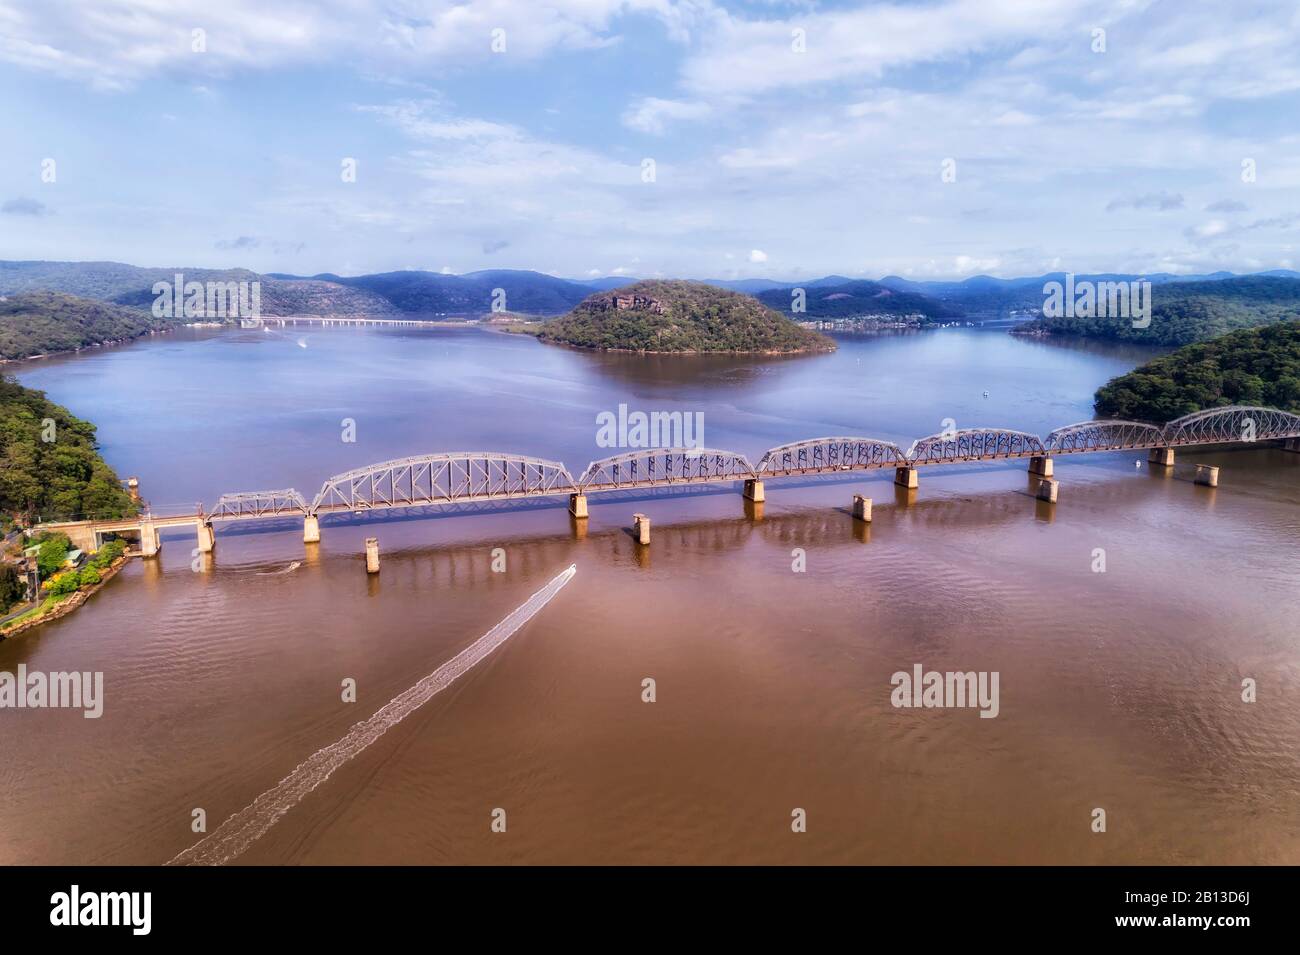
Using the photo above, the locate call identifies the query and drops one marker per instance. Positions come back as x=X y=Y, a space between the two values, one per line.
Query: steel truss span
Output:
x=461 y=476
x=1231 y=424
x=974 y=444
x=824 y=455
x=471 y=477
x=1104 y=435
x=257 y=504
x=656 y=467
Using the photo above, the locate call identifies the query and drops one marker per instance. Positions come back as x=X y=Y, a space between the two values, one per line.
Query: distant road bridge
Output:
x=468 y=477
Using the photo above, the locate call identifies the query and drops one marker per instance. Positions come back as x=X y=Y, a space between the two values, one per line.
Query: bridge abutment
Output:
x=641 y=529
x=1161 y=457
x=578 y=505
x=372 y=555
x=907 y=477
x=754 y=490
x=1040 y=465
x=862 y=508
x=311 y=529
x=1207 y=475
x=207 y=538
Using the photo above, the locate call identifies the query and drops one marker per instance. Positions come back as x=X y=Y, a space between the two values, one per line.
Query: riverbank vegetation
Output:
x=43 y=323
x=680 y=317
x=49 y=464
x=88 y=575
x=1186 y=312
x=1257 y=366
x=57 y=590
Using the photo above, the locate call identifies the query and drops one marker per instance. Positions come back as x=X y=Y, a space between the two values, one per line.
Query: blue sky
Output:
x=769 y=160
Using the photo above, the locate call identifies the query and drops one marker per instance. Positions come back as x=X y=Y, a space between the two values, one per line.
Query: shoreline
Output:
x=63 y=353
x=685 y=352
x=65 y=606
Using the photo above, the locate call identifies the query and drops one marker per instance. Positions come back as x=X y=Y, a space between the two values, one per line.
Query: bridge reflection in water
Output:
x=452 y=480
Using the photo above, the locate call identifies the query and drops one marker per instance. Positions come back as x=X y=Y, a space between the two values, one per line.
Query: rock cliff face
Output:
x=621 y=301
x=680 y=317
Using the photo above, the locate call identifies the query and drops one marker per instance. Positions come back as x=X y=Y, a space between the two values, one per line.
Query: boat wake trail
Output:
x=280 y=573
x=246 y=826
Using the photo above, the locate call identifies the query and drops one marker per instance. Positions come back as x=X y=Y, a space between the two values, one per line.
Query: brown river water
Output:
x=1119 y=690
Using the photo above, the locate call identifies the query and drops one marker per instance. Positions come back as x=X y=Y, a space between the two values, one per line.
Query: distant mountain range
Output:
x=983 y=294
x=132 y=286
x=437 y=295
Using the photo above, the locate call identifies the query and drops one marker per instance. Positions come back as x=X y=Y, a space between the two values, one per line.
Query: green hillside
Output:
x=1256 y=366
x=1185 y=312
x=680 y=317
x=39 y=323
x=60 y=478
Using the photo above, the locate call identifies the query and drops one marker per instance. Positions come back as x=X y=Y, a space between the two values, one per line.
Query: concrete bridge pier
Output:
x=1040 y=465
x=1161 y=457
x=862 y=508
x=207 y=538
x=578 y=505
x=1047 y=490
x=1207 y=475
x=1291 y=444
x=372 y=555
x=311 y=529
x=907 y=477
x=150 y=542
x=754 y=490
x=641 y=529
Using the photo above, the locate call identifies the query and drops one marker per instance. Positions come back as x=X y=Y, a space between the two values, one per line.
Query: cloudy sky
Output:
x=695 y=138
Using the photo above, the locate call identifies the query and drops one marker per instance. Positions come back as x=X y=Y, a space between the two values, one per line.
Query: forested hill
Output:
x=60 y=478
x=683 y=317
x=1185 y=312
x=1255 y=366
x=41 y=323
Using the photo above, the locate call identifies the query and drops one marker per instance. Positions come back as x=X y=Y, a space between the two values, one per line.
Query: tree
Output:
x=11 y=586
x=53 y=552
x=63 y=584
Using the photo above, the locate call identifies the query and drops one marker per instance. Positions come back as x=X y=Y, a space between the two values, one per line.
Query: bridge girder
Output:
x=1104 y=435
x=1230 y=424
x=483 y=476
x=658 y=467
x=249 y=504
x=823 y=455
x=433 y=479
x=974 y=444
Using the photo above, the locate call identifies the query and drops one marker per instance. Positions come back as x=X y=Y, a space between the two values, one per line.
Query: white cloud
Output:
x=649 y=115
x=748 y=57
x=1210 y=229
x=113 y=44
x=757 y=256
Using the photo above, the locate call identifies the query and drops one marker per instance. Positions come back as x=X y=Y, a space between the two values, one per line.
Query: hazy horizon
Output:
x=761 y=277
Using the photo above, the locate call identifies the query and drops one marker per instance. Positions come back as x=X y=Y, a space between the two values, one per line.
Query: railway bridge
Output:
x=468 y=477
